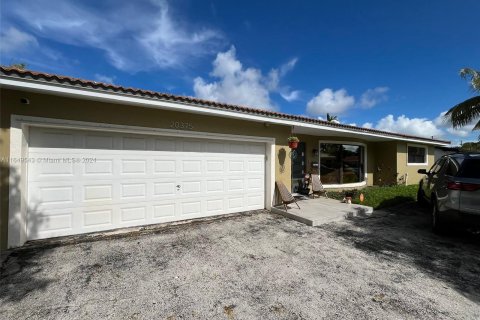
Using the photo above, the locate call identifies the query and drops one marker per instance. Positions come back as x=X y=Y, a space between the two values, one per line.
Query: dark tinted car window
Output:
x=470 y=169
x=437 y=166
x=452 y=168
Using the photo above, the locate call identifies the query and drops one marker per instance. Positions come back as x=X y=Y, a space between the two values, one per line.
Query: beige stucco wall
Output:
x=385 y=169
x=48 y=106
x=411 y=170
x=391 y=163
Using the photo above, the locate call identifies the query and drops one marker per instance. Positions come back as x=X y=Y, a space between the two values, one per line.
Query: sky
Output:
x=389 y=65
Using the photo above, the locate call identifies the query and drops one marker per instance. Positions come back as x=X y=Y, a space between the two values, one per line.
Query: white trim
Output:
x=114 y=97
x=17 y=225
x=346 y=185
x=99 y=126
x=426 y=155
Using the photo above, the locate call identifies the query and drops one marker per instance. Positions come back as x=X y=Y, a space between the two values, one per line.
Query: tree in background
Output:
x=470 y=146
x=20 y=66
x=332 y=118
x=469 y=110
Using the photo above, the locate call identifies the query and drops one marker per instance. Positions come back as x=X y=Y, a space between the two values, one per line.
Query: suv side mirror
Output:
x=422 y=171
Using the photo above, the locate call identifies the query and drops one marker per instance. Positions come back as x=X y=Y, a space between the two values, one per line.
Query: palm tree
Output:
x=331 y=118
x=20 y=66
x=468 y=110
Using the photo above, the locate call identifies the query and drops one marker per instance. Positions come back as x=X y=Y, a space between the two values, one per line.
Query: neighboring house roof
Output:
x=456 y=149
x=110 y=88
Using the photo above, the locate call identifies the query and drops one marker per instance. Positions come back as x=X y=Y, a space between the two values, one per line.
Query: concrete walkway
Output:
x=314 y=212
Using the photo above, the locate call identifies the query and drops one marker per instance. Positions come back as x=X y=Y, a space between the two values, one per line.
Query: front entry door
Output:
x=298 y=167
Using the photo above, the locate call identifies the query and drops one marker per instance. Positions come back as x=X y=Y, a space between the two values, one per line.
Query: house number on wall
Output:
x=181 y=125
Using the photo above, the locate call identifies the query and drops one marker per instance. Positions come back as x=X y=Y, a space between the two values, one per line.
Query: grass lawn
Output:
x=381 y=197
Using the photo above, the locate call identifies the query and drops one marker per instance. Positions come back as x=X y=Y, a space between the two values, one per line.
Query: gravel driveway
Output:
x=255 y=266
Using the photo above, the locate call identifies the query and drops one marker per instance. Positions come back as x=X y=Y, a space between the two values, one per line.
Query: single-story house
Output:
x=81 y=156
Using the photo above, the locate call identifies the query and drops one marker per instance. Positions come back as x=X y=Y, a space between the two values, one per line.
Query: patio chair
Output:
x=285 y=195
x=317 y=186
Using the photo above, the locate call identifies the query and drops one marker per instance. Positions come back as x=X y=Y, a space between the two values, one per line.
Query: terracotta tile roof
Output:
x=89 y=84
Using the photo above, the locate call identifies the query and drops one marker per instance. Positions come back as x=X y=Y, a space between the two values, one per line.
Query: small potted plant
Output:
x=293 y=142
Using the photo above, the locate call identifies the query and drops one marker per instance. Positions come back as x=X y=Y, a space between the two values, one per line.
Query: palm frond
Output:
x=473 y=76
x=464 y=112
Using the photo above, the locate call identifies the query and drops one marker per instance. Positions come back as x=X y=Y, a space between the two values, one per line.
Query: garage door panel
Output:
x=237 y=148
x=99 y=141
x=216 y=147
x=195 y=146
x=134 y=143
x=132 y=191
x=133 y=180
x=59 y=223
x=135 y=213
x=256 y=149
x=254 y=201
x=191 y=188
x=164 y=189
x=96 y=218
x=162 y=144
x=256 y=166
x=41 y=224
x=235 y=203
x=215 y=185
x=133 y=166
x=236 y=166
x=164 y=210
x=101 y=167
x=100 y=192
x=52 y=195
x=236 y=184
x=52 y=138
x=191 y=167
x=164 y=167
x=39 y=168
x=215 y=166
x=255 y=184
x=55 y=195
x=191 y=207
x=216 y=206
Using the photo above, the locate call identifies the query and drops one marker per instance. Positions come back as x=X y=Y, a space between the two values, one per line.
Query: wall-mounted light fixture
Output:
x=24 y=101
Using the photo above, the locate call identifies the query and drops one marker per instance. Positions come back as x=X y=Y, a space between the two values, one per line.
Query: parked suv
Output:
x=452 y=188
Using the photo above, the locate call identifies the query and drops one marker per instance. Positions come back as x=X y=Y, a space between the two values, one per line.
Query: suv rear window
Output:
x=470 y=169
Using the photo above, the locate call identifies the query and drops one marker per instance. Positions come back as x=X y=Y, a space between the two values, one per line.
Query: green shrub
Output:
x=380 y=197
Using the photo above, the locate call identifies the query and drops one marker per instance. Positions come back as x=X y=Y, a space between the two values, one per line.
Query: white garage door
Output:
x=86 y=181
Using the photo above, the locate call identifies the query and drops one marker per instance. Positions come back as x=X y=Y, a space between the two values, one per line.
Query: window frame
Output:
x=425 y=163
x=365 y=166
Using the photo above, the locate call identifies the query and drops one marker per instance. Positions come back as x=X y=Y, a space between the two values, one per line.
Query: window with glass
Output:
x=417 y=155
x=341 y=163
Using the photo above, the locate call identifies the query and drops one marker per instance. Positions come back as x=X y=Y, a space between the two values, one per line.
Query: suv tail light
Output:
x=463 y=186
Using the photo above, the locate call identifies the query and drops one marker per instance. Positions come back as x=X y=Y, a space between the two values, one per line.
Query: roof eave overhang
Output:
x=123 y=98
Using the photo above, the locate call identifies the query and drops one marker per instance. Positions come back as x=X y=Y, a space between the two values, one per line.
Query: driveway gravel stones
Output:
x=253 y=266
